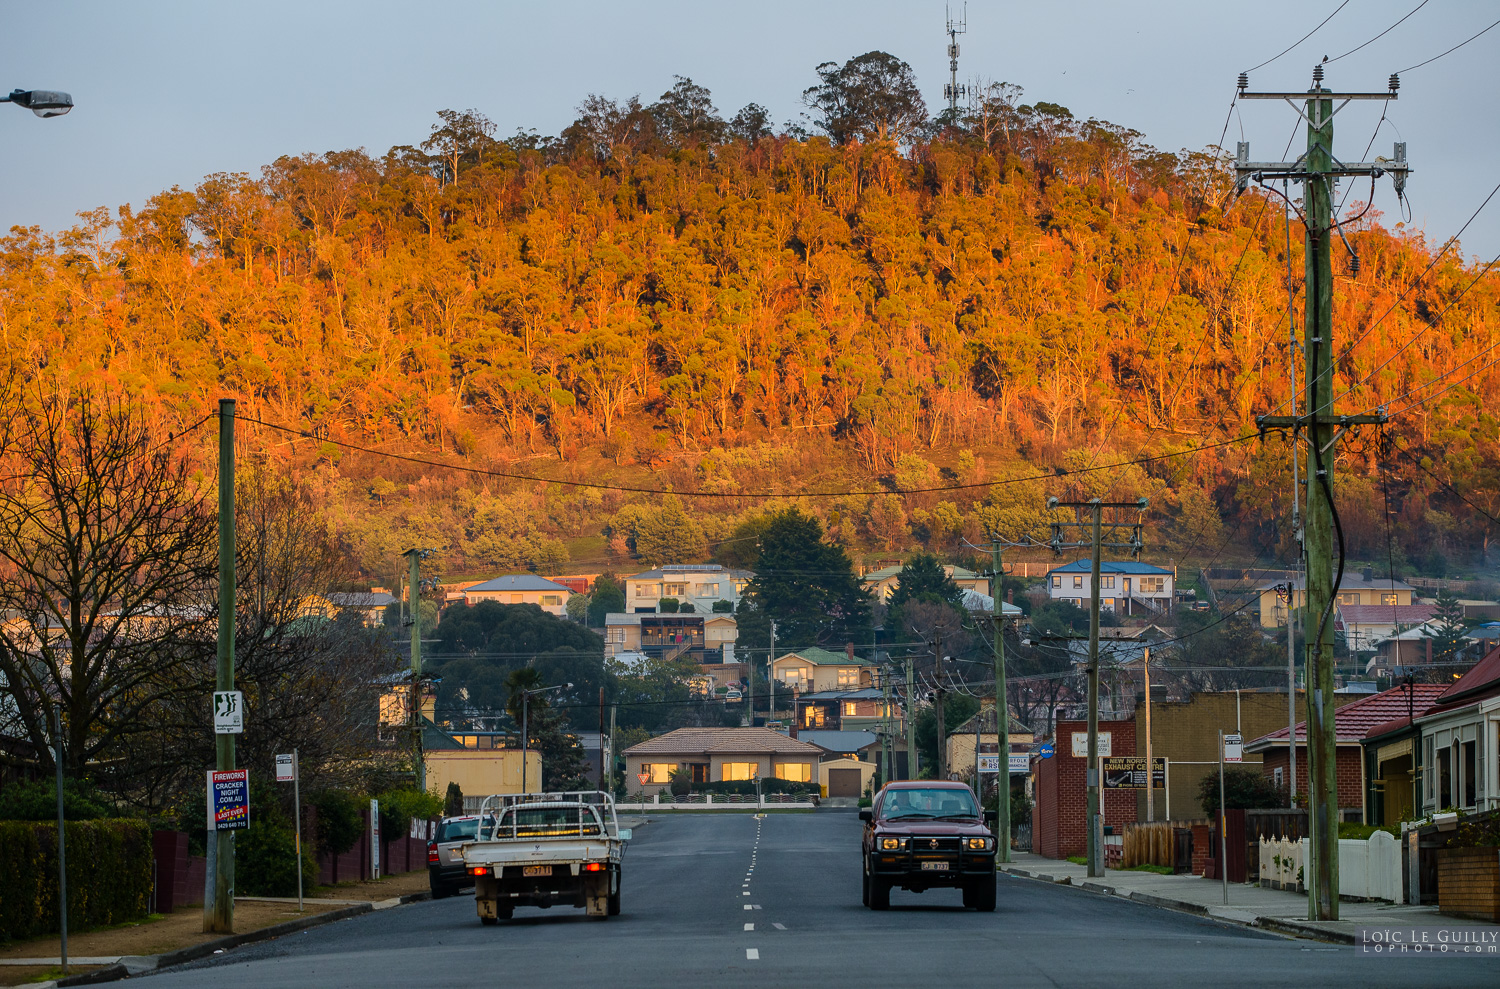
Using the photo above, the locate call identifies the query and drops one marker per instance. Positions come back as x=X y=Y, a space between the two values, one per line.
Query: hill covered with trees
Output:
x=868 y=304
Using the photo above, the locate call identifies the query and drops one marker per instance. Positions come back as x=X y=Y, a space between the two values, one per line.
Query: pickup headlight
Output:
x=891 y=844
x=977 y=844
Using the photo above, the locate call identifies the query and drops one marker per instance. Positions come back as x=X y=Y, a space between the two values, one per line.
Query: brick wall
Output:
x=1349 y=769
x=1059 y=824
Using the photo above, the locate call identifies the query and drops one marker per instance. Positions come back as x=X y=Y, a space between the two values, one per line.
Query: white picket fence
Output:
x=1369 y=869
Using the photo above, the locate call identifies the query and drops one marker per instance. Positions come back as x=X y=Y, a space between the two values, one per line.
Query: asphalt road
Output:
x=713 y=899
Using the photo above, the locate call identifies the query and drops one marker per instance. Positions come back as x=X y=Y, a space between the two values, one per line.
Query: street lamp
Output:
x=42 y=102
x=525 y=705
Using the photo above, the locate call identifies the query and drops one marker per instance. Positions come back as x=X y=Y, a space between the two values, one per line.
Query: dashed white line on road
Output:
x=749 y=927
x=779 y=927
x=749 y=906
x=746 y=894
x=752 y=954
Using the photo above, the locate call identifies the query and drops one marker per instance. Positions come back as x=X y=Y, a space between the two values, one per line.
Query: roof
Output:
x=517 y=582
x=360 y=599
x=974 y=601
x=1386 y=614
x=839 y=741
x=1480 y=680
x=986 y=719
x=953 y=570
x=1354 y=720
x=723 y=741
x=620 y=618
x=862 y=694
x=690 y=569
x=1352 y=582
x=1110 y=566
x=825 y=657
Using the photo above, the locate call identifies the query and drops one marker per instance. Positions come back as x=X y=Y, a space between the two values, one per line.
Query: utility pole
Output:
x=609 y=750
x=601 y=738
x=1291 y=686
x=885 y=734
x=62 y=844
x=911 y=721
x=1002 y=711
x=1150 y=765
x=1317 y=170
x=414 y=584
x=1095 y=817
x=218 y=915
x=770 y=676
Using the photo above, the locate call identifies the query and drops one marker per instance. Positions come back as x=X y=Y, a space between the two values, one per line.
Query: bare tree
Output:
x=105 y=545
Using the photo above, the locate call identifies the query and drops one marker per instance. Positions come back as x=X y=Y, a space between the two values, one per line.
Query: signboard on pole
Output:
x=286 y=771
x=1045 y=751
x=989 y=764
x=228 y=799
x=229 y=712
x=1128 y=772
x=375 y=839
x=1081 y=744
x=1020 y=762
x=643 y=777
x=1234 y=749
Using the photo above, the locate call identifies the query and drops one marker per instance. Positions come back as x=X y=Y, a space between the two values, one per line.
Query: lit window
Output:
x=1388 y=599
x=732 y=771
x=1056 y=580
x=551 y=599
x=848 y=677
x=796 y=772
x=850 y=709
x=1078 y=580
x=645 y=591
x=658 y=772
x=674 y=590
x=1109 y=580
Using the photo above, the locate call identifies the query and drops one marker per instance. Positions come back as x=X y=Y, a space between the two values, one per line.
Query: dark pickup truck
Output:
x=926 y=834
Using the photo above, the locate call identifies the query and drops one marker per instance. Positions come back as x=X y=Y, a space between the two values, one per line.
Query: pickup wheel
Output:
x=864 y=886
x=880 y=893
x=489 y=921
x=981 y=895
x=614 y=898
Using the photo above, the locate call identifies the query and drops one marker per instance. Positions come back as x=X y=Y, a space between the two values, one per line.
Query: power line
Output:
x=1382 y=34
x=1450 y=51
x=1301 y=39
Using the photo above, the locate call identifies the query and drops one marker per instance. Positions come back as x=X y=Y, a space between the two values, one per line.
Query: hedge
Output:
x=109 y=875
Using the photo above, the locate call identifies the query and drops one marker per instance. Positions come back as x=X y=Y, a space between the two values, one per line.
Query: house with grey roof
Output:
x=522 y=588
x=700 y=585
x=1126 y=587
x=712 y=755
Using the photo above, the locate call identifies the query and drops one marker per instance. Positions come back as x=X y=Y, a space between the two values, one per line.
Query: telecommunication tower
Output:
x=955 y=90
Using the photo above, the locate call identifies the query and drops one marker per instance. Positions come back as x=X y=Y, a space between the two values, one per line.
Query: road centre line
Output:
x=749 y=927
x=752 y=954
x=779 y=927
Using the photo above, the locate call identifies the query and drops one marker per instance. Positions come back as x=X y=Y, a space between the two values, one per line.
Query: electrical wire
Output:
x=1301 y=39
x=1450 y=51
x=1382 y=34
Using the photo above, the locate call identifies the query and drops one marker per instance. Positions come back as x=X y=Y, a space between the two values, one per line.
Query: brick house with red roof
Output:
x=1352 y=723
x=1460 y=738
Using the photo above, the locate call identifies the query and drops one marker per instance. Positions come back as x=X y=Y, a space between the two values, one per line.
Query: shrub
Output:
x=722 y=607
x=399 y=807
x=339 y=823
x=265 y=854
x=1244 y=789
x=109 y=875
x=38 y=802
x=681 y=782
x=453 y=803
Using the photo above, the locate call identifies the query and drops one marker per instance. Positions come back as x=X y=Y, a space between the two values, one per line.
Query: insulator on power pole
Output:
x=1318 y=72
x=1395 y=81
x=1245 y=81
x=1354 y=264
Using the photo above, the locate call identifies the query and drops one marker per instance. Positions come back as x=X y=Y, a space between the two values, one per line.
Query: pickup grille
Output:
x=933 y=846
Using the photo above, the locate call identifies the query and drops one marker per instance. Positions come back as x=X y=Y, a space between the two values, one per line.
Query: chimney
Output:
x=849 y=651
x=1368 y=573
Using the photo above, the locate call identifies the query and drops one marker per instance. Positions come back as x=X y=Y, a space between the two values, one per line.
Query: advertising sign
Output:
x=1020 y=762
x=375 y=838
x=1045 y=751
x=1081 y=744
x=1234 y=749
x=1128 y=772
x=229 y=712
x=228 y=799
x=989 y=764
x=286 y=769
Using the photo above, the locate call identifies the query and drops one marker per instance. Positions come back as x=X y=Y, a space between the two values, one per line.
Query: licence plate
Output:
x=934 y=866
x=536 y=870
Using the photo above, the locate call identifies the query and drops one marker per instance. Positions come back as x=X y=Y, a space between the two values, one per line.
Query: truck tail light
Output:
x=432 y=853
x=479 y=870
x=594 y=867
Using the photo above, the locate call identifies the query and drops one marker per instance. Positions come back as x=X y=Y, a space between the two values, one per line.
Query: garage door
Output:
x=843 y=782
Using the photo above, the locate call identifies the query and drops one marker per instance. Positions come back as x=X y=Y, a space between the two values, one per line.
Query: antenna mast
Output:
x=954 y=90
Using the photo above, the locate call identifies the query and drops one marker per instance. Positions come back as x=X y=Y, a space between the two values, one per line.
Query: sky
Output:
x=168 y=92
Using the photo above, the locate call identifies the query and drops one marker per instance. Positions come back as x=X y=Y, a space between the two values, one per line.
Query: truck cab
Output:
x=927 y=834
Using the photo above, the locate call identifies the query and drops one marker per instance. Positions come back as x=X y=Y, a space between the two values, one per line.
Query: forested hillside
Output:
x=663 y=299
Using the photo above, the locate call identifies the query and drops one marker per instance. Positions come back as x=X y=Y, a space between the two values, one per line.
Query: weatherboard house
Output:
x=1126 y=588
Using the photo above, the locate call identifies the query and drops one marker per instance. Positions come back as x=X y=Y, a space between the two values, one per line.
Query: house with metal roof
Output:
x=712 y=755
x=370 y=605
x=1460 y=740
x=1363 y=588
x=522 y=588
x=1365 y=626
x=815 y=669
x=1126 y=587
x=699 y=585
x=882 y=583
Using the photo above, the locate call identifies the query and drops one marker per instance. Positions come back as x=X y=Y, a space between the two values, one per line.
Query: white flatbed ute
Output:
x=546 y=849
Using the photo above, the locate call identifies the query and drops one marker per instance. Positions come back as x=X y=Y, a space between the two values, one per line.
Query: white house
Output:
x=1460 y=737
x=1365 y=626
x=522 y=588
x=698 y=584
x=1126 y=588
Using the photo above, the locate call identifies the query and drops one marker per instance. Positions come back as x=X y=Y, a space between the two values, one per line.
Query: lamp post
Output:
x=525 y=713
x=42 y=102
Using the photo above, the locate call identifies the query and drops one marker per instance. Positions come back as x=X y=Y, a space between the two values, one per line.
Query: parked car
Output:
x=446 y=874
x=927 y=834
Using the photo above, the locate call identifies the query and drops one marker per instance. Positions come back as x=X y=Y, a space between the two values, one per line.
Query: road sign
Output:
x=1081 y=744
x=989 y=764
x=286 y=769
x=1128 y=772
x=229 y=712
x=1234 y=749
x=375 y=839
x=1020 y=762
x=1045 y=751
x=643 y=777
x=228 y=799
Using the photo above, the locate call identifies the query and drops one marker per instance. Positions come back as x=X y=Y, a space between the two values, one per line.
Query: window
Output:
x=1108 y=580
x=848 y=676
x=1445 y=777
x=1056 y=580
x=1152 y=585
x=518 y=599
x=645 y=591
x=738 y=771
x=706 y=590
x=1278 y=778
x=1349 y=598
x=615 y=635
x=551 y=599
x=850 y=709
x=1469 y=766
x=1077 y=582
x=658 y=772
x=674 y=590
x=796 y=772
x=1388 y=599
x=792 y=676
x=1428 y=774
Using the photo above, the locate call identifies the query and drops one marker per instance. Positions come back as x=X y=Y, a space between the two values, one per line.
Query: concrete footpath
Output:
x=1276 y=910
